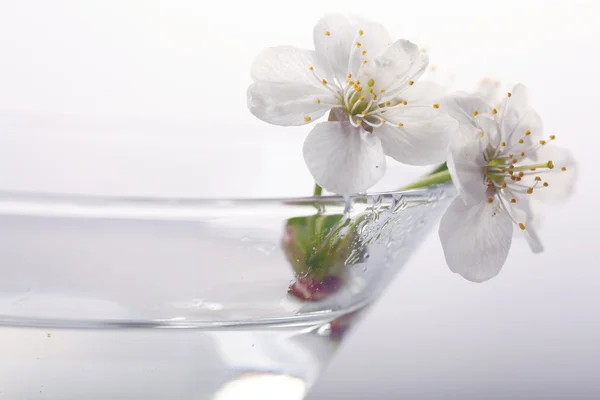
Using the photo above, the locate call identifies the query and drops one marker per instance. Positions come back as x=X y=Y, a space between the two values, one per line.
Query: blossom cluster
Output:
x=369 y=85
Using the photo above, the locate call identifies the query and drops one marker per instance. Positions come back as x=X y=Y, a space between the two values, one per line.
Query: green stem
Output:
x=433 y=179
x=318 y=190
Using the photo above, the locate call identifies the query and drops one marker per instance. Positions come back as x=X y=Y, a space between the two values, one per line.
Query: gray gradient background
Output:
x=532 y=332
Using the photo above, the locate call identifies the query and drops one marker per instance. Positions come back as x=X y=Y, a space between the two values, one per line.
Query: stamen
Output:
x=364 y=52
x=371 y=82
x=318 y=101
x=475 y=113
x=494 y=111
x=307 y=118
x=513 y=200
x=411 y=83
x=361 y=32
x=327 y=33
x=522 y=226
x=563 y=169
x=527 y=132
x=545 y=184
x=552 y=137
x=509 y=94
x=436 y=105
x=542 y=142
x=530 y=190
x=349 y=76
x=490 y=200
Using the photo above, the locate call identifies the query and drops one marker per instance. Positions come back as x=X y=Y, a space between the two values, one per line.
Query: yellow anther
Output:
x=358 y=82
x=542 y=142
x=364 y=52
x=327 y=33
x=522 y=154
x=545 y=184
x=490 y=200
x=434 y=67
x=404 y=102
x=511 y=156
x=521 y=141
x=388 y=103
x=494 y=111
x=358 y=44
x=318 y=101
x=527 y=132
x=311 y=68
x=514 y=161
x=351 y=83
x=490 y=182
x=349 y=76
x=519 y=179
x=521 y=173
x=513 y=200
x=371 y=82
x=362 y=98
x=511 y=166
x=552 y=137
x=400 y=124
x=503 y=144
x=504 y=185
x=324 y=81
x=522 y=226
x=371 y=90
x=529 y=190
x=475 y=113
x=436 y=105
x=365 y=61
x=411 y=83
x=509 y=94
x=382 y=91
x=374 y=96
x=550 y=164
x=563 y=169
x=307 y=118
x=481 y=134
x=537 y=178
x=361 y=32
x=532 y=169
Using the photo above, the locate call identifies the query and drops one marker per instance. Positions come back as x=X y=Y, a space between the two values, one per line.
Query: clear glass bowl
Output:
x=109 y=298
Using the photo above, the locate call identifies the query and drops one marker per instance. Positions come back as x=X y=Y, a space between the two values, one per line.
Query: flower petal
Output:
x=340 y=43
x=518 y=118
x=286 y=64
x=344 y=159
x=466 y=108
x=522 y=212
x=423 y=92
x=288 y=104
x=416 y=135
x=476 y=239
x=394 y=69
x=466 y=162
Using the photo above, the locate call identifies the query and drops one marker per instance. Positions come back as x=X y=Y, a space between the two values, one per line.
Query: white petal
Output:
x=476 y=239
x=423 y=137
x=423 y=92
x=466 y=163
x=336 y=38
x=561 y=184
x=287 y=64
x=466 y=108
x=288 y=104
x=344 y=159
x=518 y=118
x=522 y=212
x=395 y=68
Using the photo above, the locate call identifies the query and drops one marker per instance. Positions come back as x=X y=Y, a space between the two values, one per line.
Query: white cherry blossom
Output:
x=498 y=163
x=359 y=74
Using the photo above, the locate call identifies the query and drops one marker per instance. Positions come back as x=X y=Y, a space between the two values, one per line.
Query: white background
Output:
x=178 y=71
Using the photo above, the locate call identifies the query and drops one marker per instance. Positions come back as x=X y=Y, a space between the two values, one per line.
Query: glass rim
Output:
x=61 y=204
